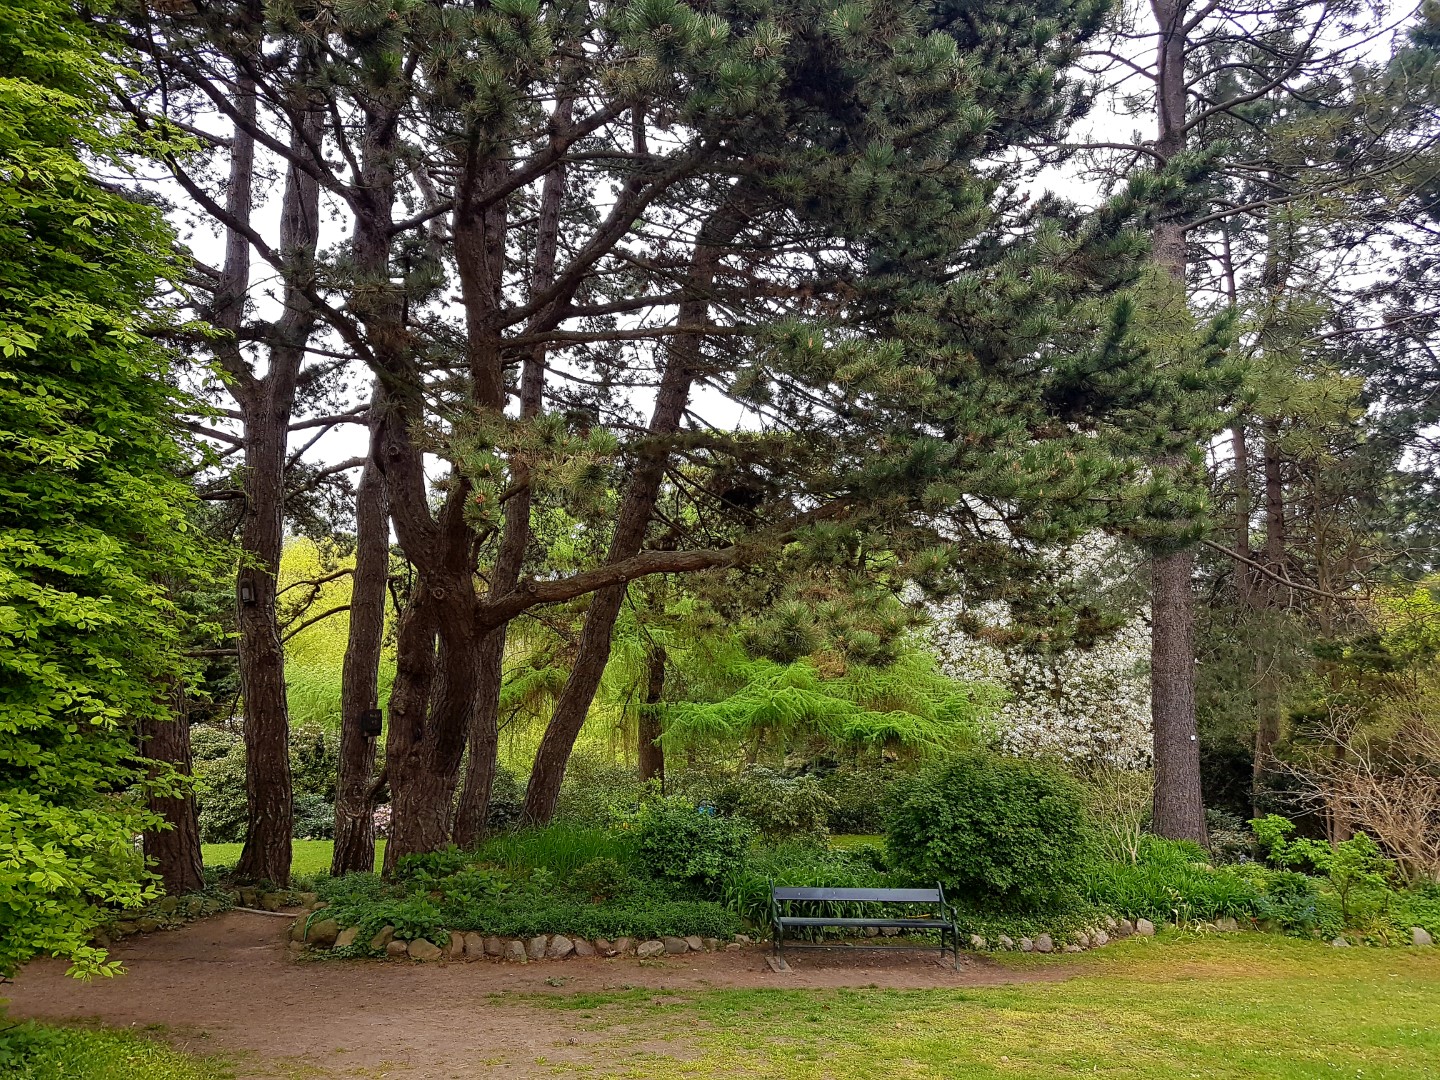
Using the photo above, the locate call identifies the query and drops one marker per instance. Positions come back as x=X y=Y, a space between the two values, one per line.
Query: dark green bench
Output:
x=941 y=917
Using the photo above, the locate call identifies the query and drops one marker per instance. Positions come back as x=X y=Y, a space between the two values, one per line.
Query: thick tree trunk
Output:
x=268 y=789
x=175 y=851
x=649 y=750
x=483 y=743
x=356 y=784
x=1179 y=811
x=484 y=735
x=267 y=405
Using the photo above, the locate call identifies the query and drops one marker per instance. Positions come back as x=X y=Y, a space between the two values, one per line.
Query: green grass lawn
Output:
x=854 y=840
x=309 y=858
x=1239 y=1007
x=42 y=1052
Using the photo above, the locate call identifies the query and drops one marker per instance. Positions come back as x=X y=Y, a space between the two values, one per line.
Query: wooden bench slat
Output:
x=896 y=896
x=918 y=924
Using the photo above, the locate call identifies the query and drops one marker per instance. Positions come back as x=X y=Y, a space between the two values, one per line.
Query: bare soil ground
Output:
x=228 y=985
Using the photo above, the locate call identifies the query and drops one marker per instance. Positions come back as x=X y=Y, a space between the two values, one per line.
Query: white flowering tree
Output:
x=1086 y=704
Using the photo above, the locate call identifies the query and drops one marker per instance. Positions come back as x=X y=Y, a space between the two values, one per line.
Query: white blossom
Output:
x=1088 y=706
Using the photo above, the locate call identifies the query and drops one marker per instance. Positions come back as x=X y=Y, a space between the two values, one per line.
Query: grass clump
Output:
x=30 y=1051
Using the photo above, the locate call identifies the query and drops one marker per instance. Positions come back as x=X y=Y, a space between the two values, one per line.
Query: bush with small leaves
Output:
x=1001 y=832
x=686 y=845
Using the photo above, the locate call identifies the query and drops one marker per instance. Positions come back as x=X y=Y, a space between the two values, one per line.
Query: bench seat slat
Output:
x=917 y=924
x=894 y=896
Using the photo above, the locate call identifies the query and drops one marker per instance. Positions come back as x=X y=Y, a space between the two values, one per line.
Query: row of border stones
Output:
x=1109 y=929
x=309 y=932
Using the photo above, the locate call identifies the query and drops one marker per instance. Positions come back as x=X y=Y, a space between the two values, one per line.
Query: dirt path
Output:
x=228 y=985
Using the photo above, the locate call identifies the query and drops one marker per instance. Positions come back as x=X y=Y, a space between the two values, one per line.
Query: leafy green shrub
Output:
x=507 y=795
x=1060 y=924
x=472 y=886
x=595 y=791
x=1294 y=904
x=644 y=917
x=600 y=880
x=1359 y=871
x=219 y=769
x=1230 y=838
x=412 y=917
x=1419 y=907
x=778 y=806
x=1174 y=881
x=862 y=797
x=351 y=891
x=746 y=890
x=426 y=871
x=1002 y=832
x=1171 y=881
x=314 y=760
x=314 y=818
x=679 y=843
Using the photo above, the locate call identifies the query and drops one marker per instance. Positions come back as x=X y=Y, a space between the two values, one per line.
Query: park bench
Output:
x=941 y=915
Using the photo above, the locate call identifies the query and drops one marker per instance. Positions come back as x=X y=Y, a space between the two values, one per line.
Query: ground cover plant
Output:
x=30 y=1051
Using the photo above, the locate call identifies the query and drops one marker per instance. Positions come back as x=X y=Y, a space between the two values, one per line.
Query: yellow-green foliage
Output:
x=315 y=656
x=908 y=704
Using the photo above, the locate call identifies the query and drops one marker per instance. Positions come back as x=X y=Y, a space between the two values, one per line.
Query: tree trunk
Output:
x=355 y=784
x=484 y=735
x=636 y=509
x=1241 y=451
x=175 y=851
x=1179 y=809
x=266 y=405
x=483 y=743
x=268 y=789
x=1267 y=689
x=649 y=750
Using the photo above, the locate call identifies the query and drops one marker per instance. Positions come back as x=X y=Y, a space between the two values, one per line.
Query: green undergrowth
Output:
x=1257 y=1007
x=30 y=1051
x=1175 y=882
x=497 y=889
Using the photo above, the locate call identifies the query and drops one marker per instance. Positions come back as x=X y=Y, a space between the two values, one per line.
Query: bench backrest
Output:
x=898 y=896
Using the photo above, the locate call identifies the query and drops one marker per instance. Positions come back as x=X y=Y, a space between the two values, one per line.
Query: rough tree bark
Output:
x=648 y=731
x=1179 y=809
x=176 y=850
x=267 y=404
x=484 y=735
x=356 y=785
